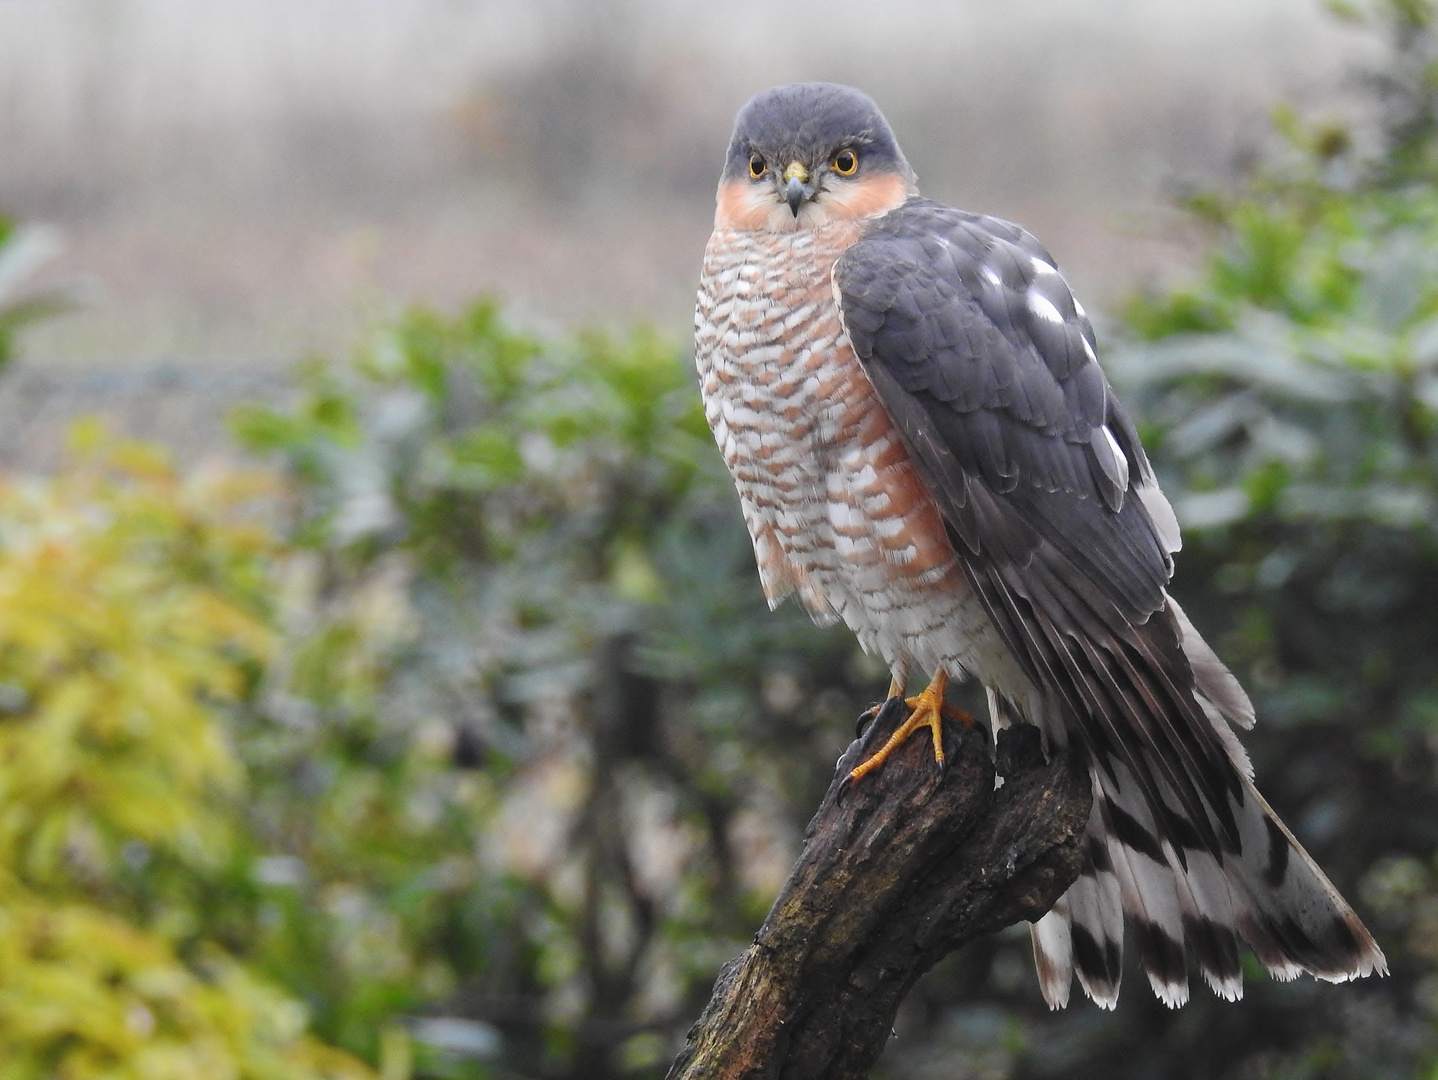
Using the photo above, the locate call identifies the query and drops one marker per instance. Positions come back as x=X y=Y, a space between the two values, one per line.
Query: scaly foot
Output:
x=929 y=710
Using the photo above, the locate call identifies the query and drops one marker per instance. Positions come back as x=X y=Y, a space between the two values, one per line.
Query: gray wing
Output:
x=986 y=364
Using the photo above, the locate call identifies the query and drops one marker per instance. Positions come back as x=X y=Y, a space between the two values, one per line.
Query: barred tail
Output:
x=1190 y=908
x=1189 y=914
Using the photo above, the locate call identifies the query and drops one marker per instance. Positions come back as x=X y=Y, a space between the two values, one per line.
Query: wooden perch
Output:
x=897 y=871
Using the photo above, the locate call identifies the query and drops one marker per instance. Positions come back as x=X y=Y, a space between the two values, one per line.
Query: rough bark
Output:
x=897 y=871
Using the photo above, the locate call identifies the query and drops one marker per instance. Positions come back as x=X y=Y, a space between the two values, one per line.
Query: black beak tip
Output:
x=794 y=196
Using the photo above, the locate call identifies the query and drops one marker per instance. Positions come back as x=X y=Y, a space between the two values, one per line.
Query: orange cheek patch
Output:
x=742 y=206
x=748 y=207
x=867 y=197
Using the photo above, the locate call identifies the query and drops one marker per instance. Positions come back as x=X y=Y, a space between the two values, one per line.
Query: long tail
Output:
x=1189 y=907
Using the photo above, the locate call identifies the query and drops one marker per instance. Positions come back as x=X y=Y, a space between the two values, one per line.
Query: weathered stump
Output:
x=897 y=871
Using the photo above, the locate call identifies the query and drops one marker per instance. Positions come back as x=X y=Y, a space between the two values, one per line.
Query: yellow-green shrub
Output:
x=132 y=613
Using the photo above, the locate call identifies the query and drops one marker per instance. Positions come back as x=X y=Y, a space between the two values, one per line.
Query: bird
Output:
x=909 y=400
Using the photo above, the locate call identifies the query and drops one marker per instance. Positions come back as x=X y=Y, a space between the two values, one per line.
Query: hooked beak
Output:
x=796 y=186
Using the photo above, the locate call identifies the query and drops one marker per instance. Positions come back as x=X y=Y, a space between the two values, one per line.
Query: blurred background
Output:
x=237 y=185
x=385 y=687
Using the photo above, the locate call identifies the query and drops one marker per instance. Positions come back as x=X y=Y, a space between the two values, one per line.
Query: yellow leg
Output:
x=928 y=711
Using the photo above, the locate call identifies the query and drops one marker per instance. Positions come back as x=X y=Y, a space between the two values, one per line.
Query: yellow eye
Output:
x=757 y=165
x=845 y=163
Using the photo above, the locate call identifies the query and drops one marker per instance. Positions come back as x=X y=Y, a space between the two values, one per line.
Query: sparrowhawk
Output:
x=909 y=400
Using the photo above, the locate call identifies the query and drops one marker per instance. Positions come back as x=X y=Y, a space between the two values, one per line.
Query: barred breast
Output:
x=835 y=507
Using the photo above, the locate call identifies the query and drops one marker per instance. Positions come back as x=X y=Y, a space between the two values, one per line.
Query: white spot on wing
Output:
x=1122 y=462
x=1110 y=458
x=1044 y=308
x=1160 y=512
x=991 y=275
x=1041 y=267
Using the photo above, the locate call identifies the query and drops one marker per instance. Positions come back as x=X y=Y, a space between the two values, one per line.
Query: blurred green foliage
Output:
x=131 y=622
x=534 y=732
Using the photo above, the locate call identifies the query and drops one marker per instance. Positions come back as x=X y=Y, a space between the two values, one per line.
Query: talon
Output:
x=929 y=709
x=867 y=717
x=870 y=715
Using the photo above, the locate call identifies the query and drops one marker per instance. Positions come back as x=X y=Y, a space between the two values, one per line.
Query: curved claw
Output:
x=880 y=712
x=866 y=720
x=870 y=716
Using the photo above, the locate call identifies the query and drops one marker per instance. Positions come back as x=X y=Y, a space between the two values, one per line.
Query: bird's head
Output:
x=807 y=154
